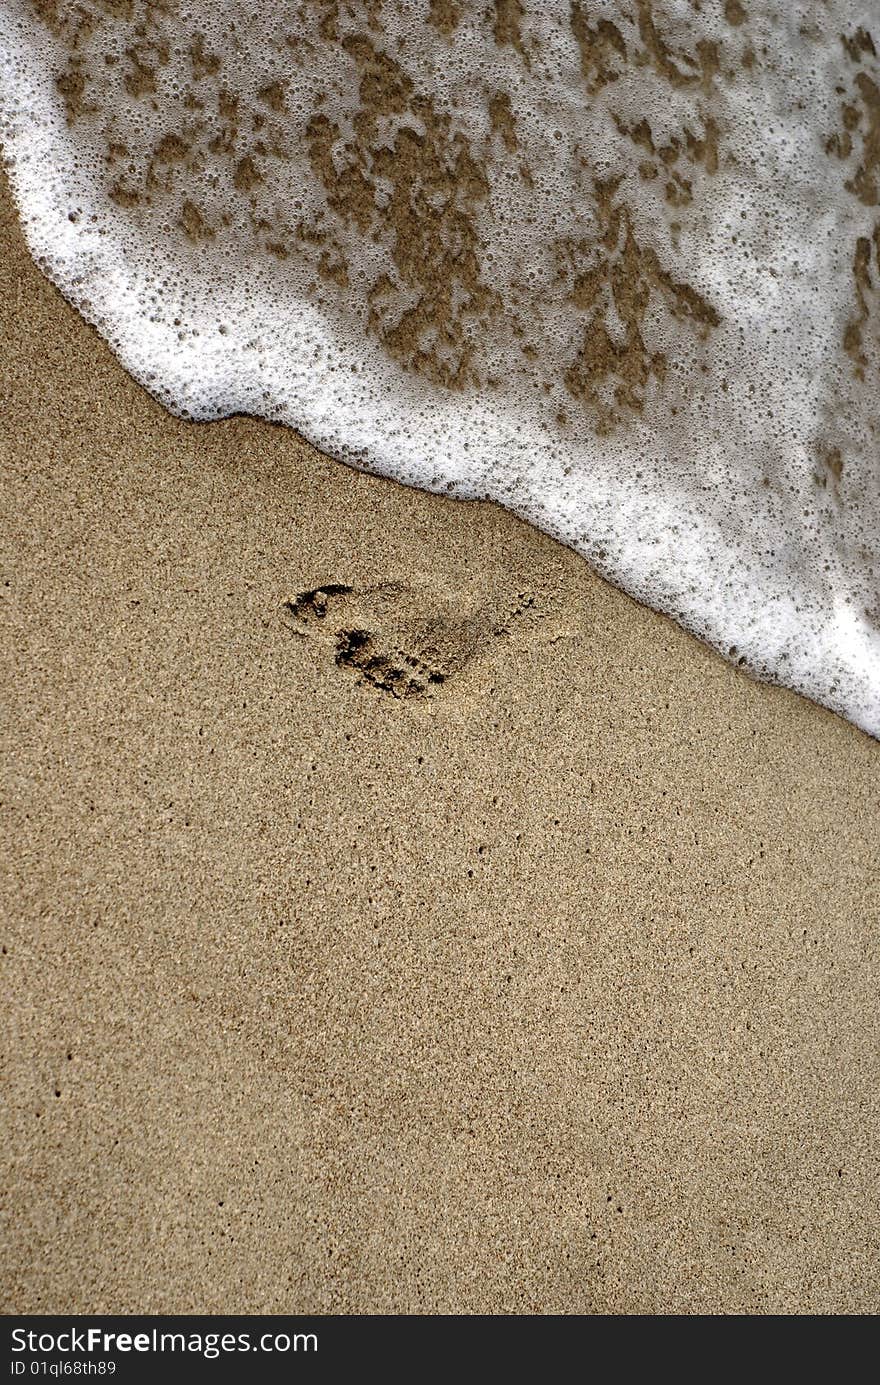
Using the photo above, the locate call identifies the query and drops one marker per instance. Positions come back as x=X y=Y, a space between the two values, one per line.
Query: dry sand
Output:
x=546 y=985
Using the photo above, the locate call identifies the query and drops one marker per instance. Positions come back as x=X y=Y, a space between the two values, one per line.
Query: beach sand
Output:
x=537 y=974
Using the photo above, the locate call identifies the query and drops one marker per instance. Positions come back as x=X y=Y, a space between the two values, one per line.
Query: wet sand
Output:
x=397 y=917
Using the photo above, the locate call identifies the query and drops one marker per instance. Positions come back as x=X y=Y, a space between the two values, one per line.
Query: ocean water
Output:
x=613 y=263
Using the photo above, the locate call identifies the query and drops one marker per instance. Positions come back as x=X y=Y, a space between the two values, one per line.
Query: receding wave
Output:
x=613 y=263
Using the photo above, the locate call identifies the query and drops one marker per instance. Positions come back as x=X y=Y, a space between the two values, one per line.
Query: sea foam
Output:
x=613 y=263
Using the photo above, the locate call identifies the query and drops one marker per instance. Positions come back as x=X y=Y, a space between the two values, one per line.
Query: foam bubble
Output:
x=615 y=265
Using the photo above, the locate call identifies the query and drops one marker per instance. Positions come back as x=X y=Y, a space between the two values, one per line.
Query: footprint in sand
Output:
x=411 y=641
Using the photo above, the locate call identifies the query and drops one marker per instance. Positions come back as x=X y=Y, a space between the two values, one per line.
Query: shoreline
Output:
x=549 y=985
